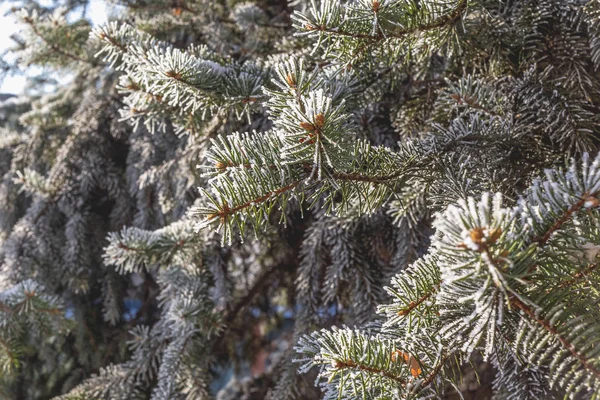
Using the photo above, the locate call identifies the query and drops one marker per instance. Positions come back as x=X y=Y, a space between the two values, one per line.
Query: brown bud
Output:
x=375 y=7
x=308 y=126
x=173 y=74
x=456 y=98
x=494 y=235
x=406 y=310
x=319 y=120
x=220 y=165
x=477 y=235
x=290 y=80
x=177 y=11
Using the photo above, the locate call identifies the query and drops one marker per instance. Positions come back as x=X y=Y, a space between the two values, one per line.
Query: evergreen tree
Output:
x=236 y=200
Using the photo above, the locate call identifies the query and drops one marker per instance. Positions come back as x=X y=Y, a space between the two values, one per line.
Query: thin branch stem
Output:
x=344 y=364
x=414 y=304
x=7 y=350
x=431 y=376
x=472 y=103
x=244 y=301
x=226 y=211
x=355 y=176
x=542 y=240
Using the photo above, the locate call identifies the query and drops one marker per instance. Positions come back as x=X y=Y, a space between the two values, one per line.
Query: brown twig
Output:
x=431 y=376
x=472 y=103
x=414 y=304
x=226 y=211
x=245 y=300
x=355 y=176
x=564 y=218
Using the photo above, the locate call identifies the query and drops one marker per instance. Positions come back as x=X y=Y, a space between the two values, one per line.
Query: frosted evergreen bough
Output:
x=358 y=199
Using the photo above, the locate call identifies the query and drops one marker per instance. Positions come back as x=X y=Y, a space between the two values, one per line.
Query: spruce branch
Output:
x=394 y=138
x=317 y=23
x=32 y=20
x=586 y=200
x=133 y=249
x=548 y=326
